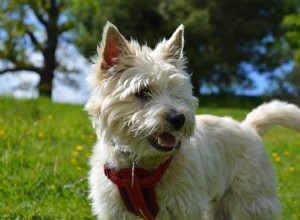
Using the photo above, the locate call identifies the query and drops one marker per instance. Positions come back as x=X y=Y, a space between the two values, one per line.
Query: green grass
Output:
x=43 y=160
x=44 y=150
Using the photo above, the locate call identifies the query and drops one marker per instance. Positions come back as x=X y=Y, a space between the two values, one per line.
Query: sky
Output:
x=23 y=84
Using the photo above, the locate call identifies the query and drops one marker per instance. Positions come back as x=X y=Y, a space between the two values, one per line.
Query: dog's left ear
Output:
x=114 y=45
x=175 y=44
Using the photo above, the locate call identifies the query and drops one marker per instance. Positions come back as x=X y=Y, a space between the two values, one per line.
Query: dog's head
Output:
x=141 y=98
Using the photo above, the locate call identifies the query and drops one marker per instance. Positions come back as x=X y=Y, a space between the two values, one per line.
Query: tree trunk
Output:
x=45 y=84
x=47 y=73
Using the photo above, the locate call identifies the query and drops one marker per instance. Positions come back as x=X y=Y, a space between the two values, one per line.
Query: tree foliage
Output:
x=33 y=27
x=291 y=25
x=221 y=35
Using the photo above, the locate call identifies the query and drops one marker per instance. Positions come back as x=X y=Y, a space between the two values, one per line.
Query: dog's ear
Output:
x=175 y=44
x=113 y=46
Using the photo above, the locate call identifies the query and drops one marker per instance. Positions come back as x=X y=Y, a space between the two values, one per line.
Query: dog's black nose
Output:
x=176 y=120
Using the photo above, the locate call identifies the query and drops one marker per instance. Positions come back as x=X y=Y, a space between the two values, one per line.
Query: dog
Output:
x=154 y=159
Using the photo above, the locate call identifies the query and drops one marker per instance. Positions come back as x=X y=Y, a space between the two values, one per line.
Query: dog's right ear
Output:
x=175 y=44
x=113 y=46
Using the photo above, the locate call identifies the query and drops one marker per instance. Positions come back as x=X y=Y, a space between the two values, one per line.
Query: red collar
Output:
x=137 y=188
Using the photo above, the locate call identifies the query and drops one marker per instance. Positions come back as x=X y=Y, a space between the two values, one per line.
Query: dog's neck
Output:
x=120 y=157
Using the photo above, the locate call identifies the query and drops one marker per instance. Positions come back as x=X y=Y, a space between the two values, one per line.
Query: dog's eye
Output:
x=143 y=94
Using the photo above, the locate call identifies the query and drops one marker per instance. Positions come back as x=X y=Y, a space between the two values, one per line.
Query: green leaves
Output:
x=34 y=26
x=220 y=35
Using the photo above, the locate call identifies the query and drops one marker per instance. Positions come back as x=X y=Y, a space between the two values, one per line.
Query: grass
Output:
x=44 y=149
x=43 y=160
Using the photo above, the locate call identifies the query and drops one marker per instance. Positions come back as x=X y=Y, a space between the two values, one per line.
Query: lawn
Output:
x=44 y=149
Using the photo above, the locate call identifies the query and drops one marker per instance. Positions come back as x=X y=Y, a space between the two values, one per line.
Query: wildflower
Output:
x=91 y=136
x=2 y=133
x=286 y=153
x=277 y=159
x=291 y=168
x=87 y=155
x=40 y=134
x=274 y=154
x=79 y=147
x=75 y=153
x=78 y=168
x=73 y=161
x=49 y=117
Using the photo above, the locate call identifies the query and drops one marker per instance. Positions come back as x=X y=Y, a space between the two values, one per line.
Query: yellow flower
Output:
x=75 y=153
x=78 y=168
x=286 y=153
x=291 y=169
x=2 y=132
x=91 y=136
x=40 y=134
x=49 y=117
x=73 y=161
x=277 y=159
x=87 y=155
x=79 y=147
x=274 y=154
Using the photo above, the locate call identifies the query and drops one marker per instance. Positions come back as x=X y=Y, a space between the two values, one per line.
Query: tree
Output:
x=291 y=24
x=33 y=27
x=221 y=35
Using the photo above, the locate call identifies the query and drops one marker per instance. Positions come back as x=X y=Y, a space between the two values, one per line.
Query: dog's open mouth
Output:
x=165 y=142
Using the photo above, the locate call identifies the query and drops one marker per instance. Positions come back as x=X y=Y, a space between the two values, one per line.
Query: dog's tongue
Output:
x=167 y=140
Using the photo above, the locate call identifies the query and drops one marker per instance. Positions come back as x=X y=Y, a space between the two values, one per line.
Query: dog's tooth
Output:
x=160 y=142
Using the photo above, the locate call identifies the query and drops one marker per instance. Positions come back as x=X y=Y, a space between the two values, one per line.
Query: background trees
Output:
x=222 y=37
x=225 y=39
x=291 y=25
x=34 y=26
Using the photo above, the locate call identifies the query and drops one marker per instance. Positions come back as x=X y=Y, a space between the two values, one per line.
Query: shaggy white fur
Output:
x=142 y=107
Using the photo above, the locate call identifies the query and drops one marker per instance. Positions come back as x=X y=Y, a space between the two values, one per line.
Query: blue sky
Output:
x=21 y=84
x=67 y=94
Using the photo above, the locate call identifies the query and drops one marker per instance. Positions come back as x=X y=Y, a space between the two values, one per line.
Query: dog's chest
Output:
x=181 y=205
x=180 y=195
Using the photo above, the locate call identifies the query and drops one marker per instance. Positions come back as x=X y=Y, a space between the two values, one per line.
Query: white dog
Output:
x=160 y=160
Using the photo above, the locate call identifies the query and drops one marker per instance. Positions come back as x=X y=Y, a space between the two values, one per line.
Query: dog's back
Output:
x=247 y=175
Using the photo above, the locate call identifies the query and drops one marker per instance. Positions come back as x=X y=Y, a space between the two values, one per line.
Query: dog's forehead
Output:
x=151 y=69
x=156 y=76
x=147 y=67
